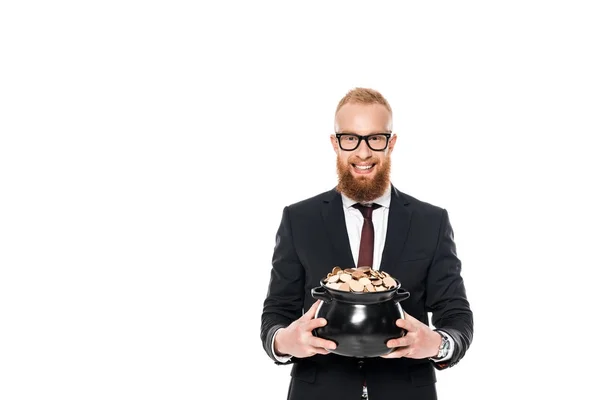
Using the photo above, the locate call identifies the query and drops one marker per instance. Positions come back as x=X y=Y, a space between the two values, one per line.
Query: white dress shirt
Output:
x=354 y=223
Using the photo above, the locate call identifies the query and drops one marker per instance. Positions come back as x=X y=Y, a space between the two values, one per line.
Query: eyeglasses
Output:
x=351 y=141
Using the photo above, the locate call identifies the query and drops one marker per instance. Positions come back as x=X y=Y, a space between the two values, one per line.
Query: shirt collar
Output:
x=383 y=201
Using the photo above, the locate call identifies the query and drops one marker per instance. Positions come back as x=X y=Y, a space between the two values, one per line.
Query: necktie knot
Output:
x=366 y=209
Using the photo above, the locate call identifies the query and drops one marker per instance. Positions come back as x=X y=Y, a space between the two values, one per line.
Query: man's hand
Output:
x=420 y=340
x=297 y=339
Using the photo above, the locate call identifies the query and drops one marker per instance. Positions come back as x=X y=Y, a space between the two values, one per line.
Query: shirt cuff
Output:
x=281 y=359
x=450 y=351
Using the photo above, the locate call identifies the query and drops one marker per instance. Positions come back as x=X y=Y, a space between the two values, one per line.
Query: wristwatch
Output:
x=444 y=347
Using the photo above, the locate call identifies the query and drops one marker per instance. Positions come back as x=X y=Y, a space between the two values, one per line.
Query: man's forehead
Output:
x=363 y=118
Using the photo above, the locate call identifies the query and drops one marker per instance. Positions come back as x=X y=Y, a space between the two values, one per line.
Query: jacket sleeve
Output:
x=285 y=293
x=446 y=295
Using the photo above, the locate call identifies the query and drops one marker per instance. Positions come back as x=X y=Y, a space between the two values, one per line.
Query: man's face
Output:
x=363 y=173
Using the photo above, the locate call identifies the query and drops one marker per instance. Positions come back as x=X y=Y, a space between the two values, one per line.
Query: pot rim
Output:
x=362 y=293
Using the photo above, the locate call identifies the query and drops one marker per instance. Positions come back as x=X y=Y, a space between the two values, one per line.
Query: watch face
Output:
x=445 y=347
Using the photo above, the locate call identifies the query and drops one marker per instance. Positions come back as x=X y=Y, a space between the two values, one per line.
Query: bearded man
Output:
x=366 y=221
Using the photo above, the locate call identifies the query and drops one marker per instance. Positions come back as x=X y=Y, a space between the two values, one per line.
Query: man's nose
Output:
x=363 y=151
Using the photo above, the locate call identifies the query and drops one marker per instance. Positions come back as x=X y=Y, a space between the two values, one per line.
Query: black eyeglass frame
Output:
x=365 y=138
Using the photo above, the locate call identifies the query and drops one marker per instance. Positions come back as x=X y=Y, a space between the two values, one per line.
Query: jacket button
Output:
x=360 y=364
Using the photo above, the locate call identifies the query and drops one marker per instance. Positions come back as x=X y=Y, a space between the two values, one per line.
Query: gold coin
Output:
x=333 y=278
x=389 y=282
x=333 y=285
x=345 y=287
x=336 y=270
x=358 y=274
x=365 y=281
x=356 y=286
x=345 y=277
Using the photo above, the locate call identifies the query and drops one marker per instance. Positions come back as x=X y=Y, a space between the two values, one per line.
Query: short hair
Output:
x=364 y=96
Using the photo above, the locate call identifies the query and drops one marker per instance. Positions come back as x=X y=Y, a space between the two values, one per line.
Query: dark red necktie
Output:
x=367 y=237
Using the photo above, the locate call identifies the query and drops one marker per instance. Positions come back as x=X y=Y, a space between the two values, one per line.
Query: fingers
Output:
x=406 y=324
x=319 y=350
x=322 y=343
x=401 y=342
x=312 y=311
x=316 y=323
x=412 y=321
x=403 y=352
x=409 y=317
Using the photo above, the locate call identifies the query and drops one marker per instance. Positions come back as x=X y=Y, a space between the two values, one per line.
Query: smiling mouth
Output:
x=363 y=168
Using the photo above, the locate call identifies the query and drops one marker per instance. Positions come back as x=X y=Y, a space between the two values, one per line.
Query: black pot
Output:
x=360 y=323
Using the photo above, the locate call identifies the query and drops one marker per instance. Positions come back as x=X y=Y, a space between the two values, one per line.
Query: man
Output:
x=413 y=242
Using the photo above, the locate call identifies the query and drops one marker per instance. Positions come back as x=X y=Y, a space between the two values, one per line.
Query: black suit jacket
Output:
x=419 y=250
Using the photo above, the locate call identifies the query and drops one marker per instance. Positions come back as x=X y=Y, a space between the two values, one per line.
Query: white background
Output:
x=147 y=150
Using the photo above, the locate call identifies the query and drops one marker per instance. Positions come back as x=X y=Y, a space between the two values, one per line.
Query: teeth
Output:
x=364 y=167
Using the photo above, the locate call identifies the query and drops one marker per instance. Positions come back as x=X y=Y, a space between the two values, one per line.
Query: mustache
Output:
x=356 y=160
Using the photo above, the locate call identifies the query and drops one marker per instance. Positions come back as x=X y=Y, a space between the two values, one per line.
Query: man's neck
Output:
x=383 y=199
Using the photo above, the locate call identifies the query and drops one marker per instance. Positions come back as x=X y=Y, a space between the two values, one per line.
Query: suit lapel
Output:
x=397 y=230
x=335 y=223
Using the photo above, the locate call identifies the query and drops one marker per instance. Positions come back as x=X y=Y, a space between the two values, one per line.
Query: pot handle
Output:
x=401 y=294
x=320 y=293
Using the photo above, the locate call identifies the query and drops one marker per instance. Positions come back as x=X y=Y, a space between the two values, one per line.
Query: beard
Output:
x=363 y=189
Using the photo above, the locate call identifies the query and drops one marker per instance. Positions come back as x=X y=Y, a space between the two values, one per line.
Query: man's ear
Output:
x=392 y=143
x=334 y=143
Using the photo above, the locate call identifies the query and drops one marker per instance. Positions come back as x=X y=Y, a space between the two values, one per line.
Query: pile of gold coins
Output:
x=361 y=279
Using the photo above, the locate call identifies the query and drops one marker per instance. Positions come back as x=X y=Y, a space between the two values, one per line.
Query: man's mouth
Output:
x=363 y=168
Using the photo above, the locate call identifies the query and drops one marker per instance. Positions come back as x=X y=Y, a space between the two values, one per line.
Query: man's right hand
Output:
x=297 y=339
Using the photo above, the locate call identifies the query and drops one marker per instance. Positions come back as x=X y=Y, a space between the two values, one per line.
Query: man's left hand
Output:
x=420 y=341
